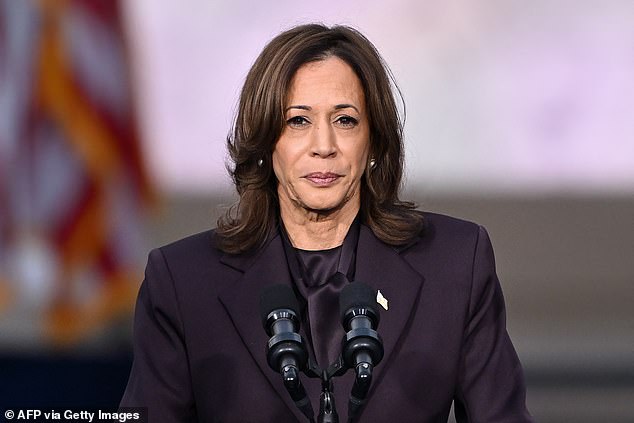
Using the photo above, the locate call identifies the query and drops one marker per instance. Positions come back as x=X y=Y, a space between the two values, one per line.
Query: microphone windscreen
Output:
x=276 y=297
x=357 y=294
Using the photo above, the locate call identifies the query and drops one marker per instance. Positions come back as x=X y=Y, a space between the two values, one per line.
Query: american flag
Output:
x=73 y=186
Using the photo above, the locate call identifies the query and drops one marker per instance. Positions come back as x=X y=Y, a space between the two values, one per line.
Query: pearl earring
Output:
x=372 y=163
x=260 y=162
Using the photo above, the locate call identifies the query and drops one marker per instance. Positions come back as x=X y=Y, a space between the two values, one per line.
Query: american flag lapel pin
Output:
x=381 y=299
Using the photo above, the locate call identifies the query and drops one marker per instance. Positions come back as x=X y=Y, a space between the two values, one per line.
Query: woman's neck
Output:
x=311 y=230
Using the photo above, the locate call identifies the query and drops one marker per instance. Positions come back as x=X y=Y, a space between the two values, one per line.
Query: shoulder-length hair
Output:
x=260 y=121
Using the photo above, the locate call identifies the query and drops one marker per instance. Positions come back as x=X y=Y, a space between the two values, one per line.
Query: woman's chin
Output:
x=324 y=205
x=322 y=201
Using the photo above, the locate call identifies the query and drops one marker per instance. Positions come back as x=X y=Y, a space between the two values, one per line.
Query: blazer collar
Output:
x=377 y=264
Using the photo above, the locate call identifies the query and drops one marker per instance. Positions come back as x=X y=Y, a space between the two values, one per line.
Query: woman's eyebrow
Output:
x=300 y=106
x=346 y=106
x=337 y=107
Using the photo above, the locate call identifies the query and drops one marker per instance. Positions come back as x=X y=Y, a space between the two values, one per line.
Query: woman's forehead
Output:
x=326 y=82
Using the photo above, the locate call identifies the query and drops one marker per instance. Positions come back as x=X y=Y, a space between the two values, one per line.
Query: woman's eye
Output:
x=297 y=121
x=347 y=121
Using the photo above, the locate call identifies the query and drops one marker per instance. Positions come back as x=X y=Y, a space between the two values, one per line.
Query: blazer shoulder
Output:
x=448 y=228
x=192 y=250
x=445 y=220
x=446 y=236
x=193 y=264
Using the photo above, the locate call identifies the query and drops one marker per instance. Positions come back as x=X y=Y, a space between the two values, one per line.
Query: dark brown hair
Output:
x=260 y=121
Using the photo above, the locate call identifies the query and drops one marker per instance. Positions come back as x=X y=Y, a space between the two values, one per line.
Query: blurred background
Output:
x=113 y=118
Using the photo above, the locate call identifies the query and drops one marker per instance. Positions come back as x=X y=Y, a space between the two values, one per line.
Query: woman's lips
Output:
x=322 y=179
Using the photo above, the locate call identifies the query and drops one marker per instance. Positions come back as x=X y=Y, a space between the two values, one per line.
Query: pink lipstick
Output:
x=322 y=179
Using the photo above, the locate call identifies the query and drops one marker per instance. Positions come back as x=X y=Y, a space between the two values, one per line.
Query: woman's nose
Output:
x=324 y=143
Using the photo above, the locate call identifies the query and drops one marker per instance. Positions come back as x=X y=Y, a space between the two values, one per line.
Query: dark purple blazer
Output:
x=199 y=346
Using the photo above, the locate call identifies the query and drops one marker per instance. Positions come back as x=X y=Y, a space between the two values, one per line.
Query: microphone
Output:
x=362 y=347
x=285 y=351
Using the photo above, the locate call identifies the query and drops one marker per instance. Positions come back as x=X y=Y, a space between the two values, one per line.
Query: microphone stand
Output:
x=362 y=382
x=327 y=406
x=293 y=384
x=360 y=388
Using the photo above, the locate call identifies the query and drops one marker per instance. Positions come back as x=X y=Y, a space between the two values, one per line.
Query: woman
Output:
x=317 y=161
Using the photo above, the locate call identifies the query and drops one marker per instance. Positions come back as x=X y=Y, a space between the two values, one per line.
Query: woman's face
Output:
x=321 y=154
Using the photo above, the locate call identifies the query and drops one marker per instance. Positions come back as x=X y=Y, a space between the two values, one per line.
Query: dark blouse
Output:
x=319 y=276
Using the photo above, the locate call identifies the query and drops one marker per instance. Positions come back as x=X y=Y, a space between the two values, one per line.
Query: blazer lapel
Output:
x=383 y=268
x=242 y=302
